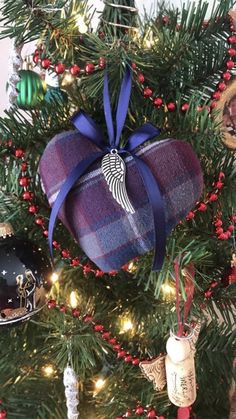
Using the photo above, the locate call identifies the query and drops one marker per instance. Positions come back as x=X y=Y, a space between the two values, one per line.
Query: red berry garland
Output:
x=148 y=412
x=226 y=75
x=60 y=68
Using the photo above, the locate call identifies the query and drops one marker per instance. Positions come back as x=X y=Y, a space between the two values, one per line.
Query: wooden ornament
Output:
x=155 y=371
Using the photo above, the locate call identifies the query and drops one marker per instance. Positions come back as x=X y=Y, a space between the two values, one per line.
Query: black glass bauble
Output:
x=24 y=280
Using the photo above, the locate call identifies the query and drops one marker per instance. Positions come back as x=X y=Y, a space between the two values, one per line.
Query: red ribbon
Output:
x=189 y=289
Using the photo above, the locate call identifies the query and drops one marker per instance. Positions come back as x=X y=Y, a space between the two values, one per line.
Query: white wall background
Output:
x=98 y=4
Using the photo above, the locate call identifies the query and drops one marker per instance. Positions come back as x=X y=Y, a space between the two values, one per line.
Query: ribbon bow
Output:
x=87 y=127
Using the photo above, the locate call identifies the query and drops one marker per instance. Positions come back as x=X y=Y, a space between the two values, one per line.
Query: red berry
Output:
x=228 y=234
x=226 y=76
x=157 y=102
x=45 y=233
x=98 y=327
x=75 y=70
x=233 y=218
x=121 y=354
x=39 y=221
x=213 y=197
x=87 y=268
x=87 y=318
x=214 y=284
x=75 y=313
x=51 y=304
x=45 y=63
x=59 y=68
x=223 y=236
x=27 y=195
x=89 y=68
x=231 y=227
x=24 y=166
x=36 y=58
x=205 y=23
x=165 y=20
x=116 y=348
x=3 y=414
x=62 y=308
x=119 y=417
x=128 y=359
x=75 y=262
x=128 y=413
x=218 y=223
x=102 y=62
x=190 y=215
x=140 y=77
x=221 y=86
x=171 y=106
x=136 y=361
x=134 y=66
x=185 y=107
x=139 y=410
x=106 y=335
x=231 y=39
x=101 y=35
x=231 y=28
x=56 y=244
x=19 y=153
x=147 y=92
x=208 y=294
x=65 y=253
x=219 y=231
x=152 y=414
x=202 y=207
x=99 y=273
x=230 y=64
x=221 y=175
x=231 y=52
x=113 y=341
x=216 y=95
x=24 y=181
x=219 y=185
x=33 y=209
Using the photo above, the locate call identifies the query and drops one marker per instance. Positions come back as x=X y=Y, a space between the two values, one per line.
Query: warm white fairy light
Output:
x=168 y=291
x=48 y=370
x=127 y=325
x=54 y=277
x=67 y=80
x=74 y=299
x=99 y=384
x=83 y=28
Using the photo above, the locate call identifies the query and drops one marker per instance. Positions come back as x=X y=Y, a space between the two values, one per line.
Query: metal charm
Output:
x=114 y=170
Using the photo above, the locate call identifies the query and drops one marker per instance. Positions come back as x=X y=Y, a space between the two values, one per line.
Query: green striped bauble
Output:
x=31 y=89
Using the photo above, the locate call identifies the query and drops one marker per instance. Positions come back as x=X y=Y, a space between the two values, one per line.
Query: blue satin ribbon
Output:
x=87 y=127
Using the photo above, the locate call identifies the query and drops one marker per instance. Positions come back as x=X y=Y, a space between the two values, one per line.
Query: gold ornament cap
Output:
x=6 y=230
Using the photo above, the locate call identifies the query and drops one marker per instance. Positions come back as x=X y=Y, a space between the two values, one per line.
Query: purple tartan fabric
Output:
x=107 y=234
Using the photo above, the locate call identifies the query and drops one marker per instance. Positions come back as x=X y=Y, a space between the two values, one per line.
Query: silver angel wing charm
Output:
x=114 y=170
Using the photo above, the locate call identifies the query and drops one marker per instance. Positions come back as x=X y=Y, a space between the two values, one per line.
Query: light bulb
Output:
x=99 y=384
x=74 y=299
x=168 y=291
x=48 y=370
x=54 y=277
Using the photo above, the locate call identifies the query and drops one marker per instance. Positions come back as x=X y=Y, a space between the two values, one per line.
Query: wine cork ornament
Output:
x=180 y=371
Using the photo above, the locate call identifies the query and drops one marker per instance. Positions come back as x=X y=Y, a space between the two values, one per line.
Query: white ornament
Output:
x=71 y=392
x=51 y=78
x=180 y=371
x=178 y=349
x=15 y=64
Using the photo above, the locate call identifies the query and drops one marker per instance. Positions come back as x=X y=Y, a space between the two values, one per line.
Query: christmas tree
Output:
x=106 y=319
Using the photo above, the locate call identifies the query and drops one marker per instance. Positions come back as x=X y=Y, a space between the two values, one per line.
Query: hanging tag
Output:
x=114 y=170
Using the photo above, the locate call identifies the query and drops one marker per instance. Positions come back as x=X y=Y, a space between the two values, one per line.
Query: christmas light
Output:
x=132 y=267
x=126 y=325
x=99 y=384
x=168 y=291
x=67 y=80
x=81 y=24
x=54 y=277
x=48 y=370
x=74 y=299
